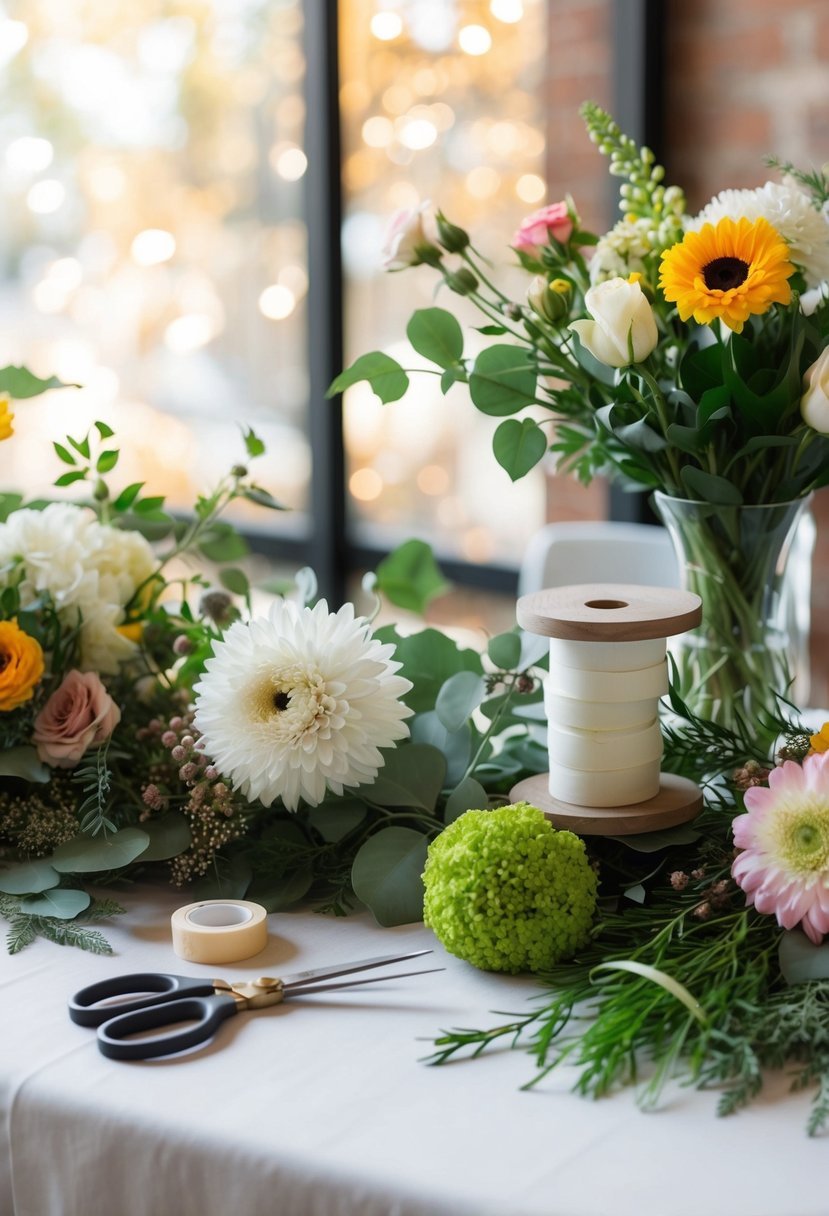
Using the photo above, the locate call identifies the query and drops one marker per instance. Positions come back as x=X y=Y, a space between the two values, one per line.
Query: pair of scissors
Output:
x=167 y=1000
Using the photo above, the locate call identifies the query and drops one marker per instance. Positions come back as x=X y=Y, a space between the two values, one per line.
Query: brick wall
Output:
x=744 y=79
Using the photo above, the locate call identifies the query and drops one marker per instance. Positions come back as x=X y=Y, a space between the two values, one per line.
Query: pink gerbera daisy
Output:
x=784 y=836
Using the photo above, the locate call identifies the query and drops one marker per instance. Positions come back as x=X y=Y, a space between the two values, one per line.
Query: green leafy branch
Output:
x=95 y=779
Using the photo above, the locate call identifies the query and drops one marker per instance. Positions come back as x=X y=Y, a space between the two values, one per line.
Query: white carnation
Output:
x=789 y=210
x=89 y=569
x=299 y=702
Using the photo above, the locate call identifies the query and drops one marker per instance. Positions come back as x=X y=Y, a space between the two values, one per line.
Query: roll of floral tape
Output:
x=216 y=931
x=605 y=750
x=614 y=787
x=586 y=685
x=606 y=656
x=597 y=715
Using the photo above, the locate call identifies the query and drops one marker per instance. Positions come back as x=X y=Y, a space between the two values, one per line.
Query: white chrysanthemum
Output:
x=90 y=570
x=300 y=701
x=789 y=210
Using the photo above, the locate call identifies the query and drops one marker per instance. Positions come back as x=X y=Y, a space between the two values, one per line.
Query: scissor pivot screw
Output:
x=267 y=981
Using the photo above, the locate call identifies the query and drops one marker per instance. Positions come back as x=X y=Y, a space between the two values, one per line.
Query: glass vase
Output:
x=751 y=566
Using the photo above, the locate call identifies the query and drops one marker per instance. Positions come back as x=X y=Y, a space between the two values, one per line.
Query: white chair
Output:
x=598 y=552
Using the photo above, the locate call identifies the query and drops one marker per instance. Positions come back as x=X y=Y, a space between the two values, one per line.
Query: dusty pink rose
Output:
x=536 y=229
x=77 y=716
x=406 y=238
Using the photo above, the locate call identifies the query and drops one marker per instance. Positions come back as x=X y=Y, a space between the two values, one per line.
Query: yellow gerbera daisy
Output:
x=6 y=417
x=729 y=271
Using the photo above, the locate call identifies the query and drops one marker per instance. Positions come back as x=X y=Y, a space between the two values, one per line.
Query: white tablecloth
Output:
x=323 y=1108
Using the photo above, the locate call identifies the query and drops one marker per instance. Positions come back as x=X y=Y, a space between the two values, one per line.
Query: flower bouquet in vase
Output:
x=680 y=354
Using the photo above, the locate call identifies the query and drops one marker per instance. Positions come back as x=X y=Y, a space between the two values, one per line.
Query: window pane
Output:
x=153 y=247
x=440 y=100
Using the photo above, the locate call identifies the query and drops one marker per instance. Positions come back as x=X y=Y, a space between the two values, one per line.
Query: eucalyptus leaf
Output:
x=27 y=877
x=92 y=855
x=458 y=699
x=22 y=762
x=801 y=960
x=469 y=795
x=274 y=894
x=652 y=842
x=436 y=335
x=62 y=902
x=169 y=836
x=230 y=880
x=535 y=649
x=384 y=374
x=334 y=820
x=502 y=381
x=504 y=650
x=455 y=745
x=386 y=875
x=412 y=776
x=429 y=658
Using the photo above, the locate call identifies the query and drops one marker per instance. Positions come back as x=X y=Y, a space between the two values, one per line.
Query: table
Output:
x=323 y=1108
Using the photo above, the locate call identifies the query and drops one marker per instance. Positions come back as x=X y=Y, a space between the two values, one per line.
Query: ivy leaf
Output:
x=87 y=855
x=518 y=446
x=62 y=902
x=386 y=875
x=502 y=381
x=409 y=577
x=435 y=334
x=384 y=374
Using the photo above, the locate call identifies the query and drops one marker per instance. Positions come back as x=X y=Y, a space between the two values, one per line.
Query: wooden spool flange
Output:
x=612 y=612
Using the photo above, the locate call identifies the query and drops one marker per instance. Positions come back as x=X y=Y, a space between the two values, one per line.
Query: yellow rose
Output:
x=820 y=741
x=21 y=665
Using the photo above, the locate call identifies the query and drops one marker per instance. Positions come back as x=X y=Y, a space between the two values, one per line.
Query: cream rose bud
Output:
x=623 y=329
x=406 y=242
x=814 y=404
x=79 y=714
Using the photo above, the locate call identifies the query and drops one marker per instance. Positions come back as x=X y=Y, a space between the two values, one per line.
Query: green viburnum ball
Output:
x=507 y=892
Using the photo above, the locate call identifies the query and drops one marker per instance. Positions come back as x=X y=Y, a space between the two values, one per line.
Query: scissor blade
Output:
x=370 y=979
x=364 y=964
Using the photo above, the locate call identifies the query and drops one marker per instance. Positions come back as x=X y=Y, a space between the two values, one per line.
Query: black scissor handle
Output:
x=114 y=1036
x=86 y=1009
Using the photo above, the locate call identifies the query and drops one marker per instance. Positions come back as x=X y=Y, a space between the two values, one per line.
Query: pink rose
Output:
x=536 y=230
x=406 y=240
x=77 y=716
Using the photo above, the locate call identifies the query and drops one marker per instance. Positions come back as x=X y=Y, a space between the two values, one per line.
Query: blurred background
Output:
x=194 y=195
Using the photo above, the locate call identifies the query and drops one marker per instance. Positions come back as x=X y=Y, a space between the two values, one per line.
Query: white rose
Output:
x=406 y=239
x=814 y=404
x=623 y=329
x=812 y=300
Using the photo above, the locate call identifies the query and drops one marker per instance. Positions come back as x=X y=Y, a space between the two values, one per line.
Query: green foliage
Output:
x=384 y=374
x=20 y=383
x=95 y=779
x=436 y=335
x=409 y=577
x=518 y=446
x=386 y=875
x=89 y=855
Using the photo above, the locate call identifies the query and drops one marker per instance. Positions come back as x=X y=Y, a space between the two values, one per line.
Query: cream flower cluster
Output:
x=624 y=249
x=789 y=210
x=90 y=571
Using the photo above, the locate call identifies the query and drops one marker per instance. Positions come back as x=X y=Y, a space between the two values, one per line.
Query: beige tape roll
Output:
x=615 y=787
x=604 y=750
x=606 y=656
x=585 y=685
x=218 y=931
x=597 y=715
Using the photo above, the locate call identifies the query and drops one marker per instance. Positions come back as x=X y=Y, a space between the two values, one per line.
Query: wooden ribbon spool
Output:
x=607 y=672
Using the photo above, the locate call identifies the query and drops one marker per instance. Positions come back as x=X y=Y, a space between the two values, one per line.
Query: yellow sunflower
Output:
x=730 y=271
